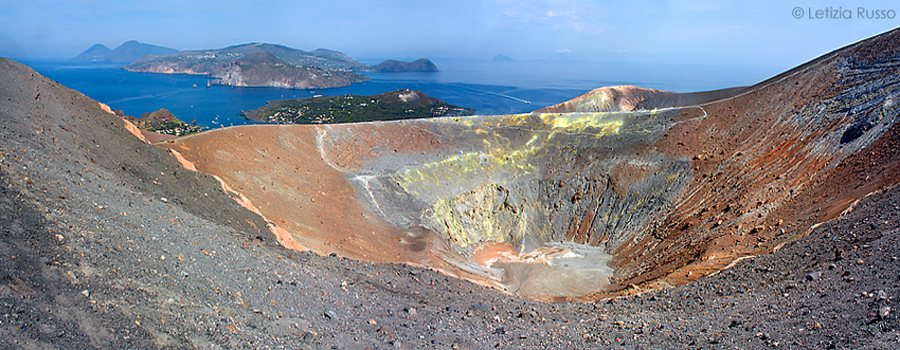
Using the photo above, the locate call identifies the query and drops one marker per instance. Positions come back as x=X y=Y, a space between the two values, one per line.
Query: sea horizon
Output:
x=487 y=86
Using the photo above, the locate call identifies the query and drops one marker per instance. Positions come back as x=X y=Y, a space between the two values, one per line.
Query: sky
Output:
x=771 y=33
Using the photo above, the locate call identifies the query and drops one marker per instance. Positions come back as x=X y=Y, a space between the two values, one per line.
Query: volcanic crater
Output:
x=750 y=217
x=618 y=191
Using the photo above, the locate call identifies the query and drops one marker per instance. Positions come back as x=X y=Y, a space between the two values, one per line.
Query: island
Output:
x=419 y=65
x=400 y=104
x=264 y=69
x=263 y=64
x=129 y=51
x=162 y=122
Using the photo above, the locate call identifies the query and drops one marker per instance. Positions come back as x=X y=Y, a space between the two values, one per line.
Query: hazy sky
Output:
x=759 y=33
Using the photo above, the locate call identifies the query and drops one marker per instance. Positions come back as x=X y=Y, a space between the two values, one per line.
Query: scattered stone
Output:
x=86 y=293
x=814 y=276
x=164 y=200
x=884 y=312
x=330 y=315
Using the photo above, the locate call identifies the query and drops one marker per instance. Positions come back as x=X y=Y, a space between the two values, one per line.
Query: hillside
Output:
x=264 y=69
x=206 y=61
x=161 y=121
x=401 y=104
x=96 y=53
x=768 y=218
x=129 y=51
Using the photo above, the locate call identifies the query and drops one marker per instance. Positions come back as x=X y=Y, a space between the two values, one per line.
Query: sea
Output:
x=490 y=87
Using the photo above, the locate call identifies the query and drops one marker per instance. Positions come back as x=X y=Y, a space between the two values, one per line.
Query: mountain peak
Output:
x=129 y=51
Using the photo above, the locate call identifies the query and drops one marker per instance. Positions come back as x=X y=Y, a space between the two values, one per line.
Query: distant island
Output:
x=161 y=121
x=400 y=104
x=264 y=69
x=420 y=65
x=262 y=64
x=502 y=58
x=129 y=51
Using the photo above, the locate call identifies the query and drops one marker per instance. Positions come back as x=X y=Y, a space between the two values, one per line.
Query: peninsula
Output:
x=394 y=105
x=264 y=69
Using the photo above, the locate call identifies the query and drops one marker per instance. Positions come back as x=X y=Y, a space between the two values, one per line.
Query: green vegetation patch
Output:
x=163 y=122
x=400 y=104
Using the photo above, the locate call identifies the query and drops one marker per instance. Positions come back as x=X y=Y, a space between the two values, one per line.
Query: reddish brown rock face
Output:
x=579 y=202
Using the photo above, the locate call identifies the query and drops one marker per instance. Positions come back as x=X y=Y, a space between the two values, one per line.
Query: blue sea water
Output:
x=488 y=87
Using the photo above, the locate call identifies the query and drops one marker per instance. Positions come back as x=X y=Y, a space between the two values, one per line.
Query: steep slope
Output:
x=583 y=204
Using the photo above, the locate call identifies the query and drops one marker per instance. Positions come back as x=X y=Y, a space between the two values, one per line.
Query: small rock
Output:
x=373 y=322
x=86 y=293
x=881 y=295
x=330 y=315
x=164 y=200
x=308 y=336
x=814 y=276
x=884 y=311
x=412 y=311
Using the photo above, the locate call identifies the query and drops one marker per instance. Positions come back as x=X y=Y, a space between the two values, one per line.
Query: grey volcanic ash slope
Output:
x=108 y=243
